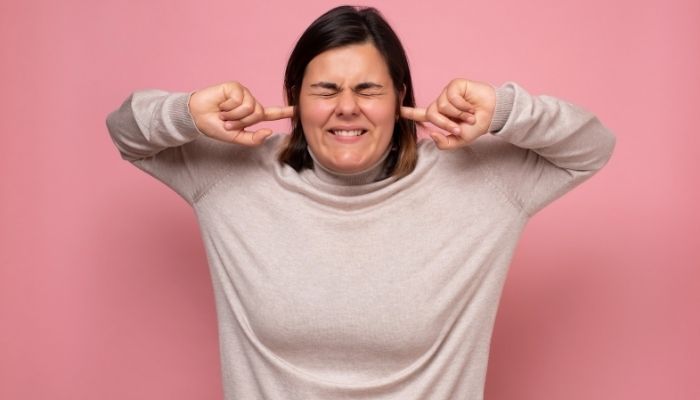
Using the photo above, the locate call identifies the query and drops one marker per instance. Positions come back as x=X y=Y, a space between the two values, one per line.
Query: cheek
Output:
x=314 y=114
x=381 y=114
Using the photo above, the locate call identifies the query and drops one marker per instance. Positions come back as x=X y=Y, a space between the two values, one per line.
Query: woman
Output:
x=349 y=261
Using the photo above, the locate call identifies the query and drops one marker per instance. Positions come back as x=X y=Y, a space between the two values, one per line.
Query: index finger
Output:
x=414 y=113
x=275 y=113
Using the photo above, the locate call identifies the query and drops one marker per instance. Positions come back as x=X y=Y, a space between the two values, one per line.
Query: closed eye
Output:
x=370 y=93
x=324 y=89
x=325 y=94
x=369 y=89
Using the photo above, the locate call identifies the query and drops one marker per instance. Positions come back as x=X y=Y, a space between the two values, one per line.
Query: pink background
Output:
x=104 y=287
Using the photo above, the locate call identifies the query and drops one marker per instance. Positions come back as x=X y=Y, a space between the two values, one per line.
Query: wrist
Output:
x=505 y=98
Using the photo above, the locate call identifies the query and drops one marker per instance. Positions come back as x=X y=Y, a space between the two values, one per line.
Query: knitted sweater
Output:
x=331 y=287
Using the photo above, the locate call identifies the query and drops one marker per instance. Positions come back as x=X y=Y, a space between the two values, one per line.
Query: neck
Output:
x=370 y=174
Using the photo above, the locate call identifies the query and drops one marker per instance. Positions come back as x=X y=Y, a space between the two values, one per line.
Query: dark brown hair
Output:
x=343 y=26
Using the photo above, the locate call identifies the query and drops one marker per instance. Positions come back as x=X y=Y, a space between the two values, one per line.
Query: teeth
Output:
x=355 y=132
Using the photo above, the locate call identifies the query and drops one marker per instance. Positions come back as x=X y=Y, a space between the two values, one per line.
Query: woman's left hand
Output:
x=464 y=109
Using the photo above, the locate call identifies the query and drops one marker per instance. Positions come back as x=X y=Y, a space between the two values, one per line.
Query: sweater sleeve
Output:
x=155 y=132
x=544 y=147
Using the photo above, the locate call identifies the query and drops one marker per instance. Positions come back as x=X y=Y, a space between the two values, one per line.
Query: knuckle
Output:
x=246 y=108
x=432 y=117
x=454 y=97
x=236 y=99
x=433 y=112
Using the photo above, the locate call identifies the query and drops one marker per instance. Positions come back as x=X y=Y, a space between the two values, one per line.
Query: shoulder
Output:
x=486 y=150
x=215 y=152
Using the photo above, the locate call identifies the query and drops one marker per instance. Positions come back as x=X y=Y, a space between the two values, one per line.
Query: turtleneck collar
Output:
x=373 y=173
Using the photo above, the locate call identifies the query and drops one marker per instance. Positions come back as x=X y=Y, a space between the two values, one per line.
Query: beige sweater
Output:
x=328 y=287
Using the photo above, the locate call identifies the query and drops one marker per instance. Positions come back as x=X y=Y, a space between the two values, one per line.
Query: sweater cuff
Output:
x=180 y=116
x=505 y=97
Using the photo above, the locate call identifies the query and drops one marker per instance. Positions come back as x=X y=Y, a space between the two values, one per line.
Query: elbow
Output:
x=592 y=149
x=607 y=142
x=116 y=133
x=112 y=122
x=121 y=125
x=596 y=144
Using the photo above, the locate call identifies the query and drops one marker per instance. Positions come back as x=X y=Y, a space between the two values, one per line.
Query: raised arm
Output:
x=545 y=146
x=183 y=139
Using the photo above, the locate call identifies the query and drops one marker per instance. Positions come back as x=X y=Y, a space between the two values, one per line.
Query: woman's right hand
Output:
x=224 y=111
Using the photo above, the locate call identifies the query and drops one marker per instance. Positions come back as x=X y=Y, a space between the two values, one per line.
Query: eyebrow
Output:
x=358 y=87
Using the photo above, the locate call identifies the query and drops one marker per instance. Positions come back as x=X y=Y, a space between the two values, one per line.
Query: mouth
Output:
x=348 y=132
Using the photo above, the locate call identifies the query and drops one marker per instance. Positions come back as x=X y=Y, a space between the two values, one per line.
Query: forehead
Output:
x=354 y=62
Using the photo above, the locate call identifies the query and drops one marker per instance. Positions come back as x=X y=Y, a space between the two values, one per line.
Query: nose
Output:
x=347 y=104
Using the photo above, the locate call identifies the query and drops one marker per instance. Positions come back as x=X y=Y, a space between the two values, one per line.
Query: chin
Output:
x=347 y=167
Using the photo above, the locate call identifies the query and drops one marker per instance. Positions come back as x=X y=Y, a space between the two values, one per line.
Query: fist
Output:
x=224 y=111
x=464 y=110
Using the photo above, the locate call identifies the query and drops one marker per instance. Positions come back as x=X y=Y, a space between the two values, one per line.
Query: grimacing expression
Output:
x=348 y=107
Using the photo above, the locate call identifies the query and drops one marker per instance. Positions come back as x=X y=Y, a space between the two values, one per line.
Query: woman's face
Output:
x=347 y=107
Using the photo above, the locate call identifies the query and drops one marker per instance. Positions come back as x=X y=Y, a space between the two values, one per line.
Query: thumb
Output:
x=441 y=141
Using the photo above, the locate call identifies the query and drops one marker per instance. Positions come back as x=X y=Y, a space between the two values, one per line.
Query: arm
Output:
x=539 y=147
x=547 y=146
x=157 y=132
x=154 y=131
x=149 y=122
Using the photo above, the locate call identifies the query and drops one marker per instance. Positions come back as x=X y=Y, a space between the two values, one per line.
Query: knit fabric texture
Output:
x=337 y=287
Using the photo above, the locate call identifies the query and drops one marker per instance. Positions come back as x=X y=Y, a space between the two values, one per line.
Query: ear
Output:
x=399 y=101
